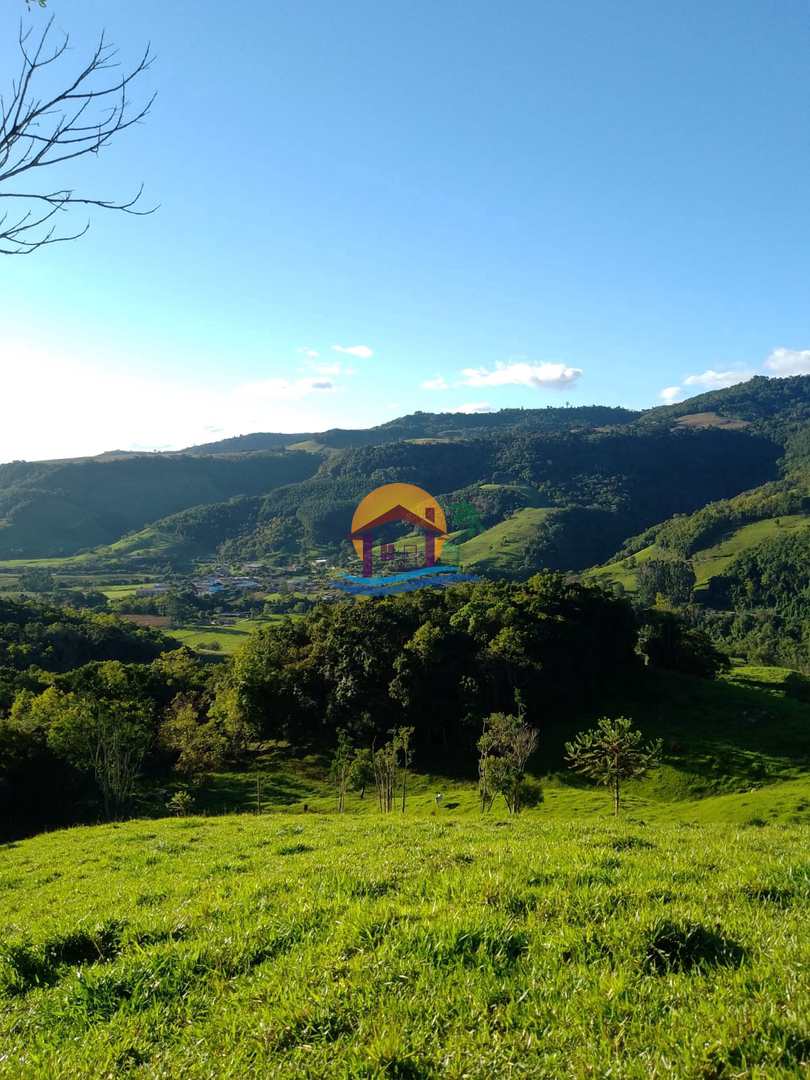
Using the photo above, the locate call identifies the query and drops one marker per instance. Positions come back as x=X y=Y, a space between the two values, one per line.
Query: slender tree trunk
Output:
x=616 y=795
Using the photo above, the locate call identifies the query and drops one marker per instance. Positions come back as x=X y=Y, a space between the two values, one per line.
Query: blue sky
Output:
x=488 y=204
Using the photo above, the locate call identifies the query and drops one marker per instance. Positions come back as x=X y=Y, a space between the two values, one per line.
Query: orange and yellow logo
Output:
x=398 y=502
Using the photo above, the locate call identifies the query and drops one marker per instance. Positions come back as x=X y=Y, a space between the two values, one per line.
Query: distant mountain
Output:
x=63 y=507
x=760 y=401
x=562 y=487
x=423 y=425
x=563 y=501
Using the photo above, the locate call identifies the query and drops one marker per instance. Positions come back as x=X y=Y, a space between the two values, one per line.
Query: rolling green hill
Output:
x=503 y=547
x=437 y=941
x=605 y=485
x=708 y=562
x=61 y=508
x=601 y=485
x=424 y=425
x=607 y=474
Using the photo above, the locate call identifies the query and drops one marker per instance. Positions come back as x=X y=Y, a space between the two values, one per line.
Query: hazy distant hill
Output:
x=423 y=425
x=60 y=508
x=588 y=491
x=591 y=477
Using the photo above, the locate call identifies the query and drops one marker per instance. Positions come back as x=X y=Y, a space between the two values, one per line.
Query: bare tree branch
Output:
x=38 y=132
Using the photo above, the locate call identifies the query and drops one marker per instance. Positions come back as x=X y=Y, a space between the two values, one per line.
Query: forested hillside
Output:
x=738 y=567
x=773 y=405
x=62 y=507
x=562 y=488
x=434 y=662
x=424 y=425
x=601 y=487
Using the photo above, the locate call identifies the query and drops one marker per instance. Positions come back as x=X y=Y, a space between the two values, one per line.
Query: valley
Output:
x=297 y=779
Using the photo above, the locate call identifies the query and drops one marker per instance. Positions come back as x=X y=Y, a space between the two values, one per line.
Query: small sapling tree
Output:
x=385 y=771
x=404 y=736
x=181 y=804
x=341 y=768
x=361 y=773
x=504 y=749
x=612 y=752
x=391 y=762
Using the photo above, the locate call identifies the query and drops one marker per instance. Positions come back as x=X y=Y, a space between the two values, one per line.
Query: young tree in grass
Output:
x=403 y=738
x=385 y=771
x=392 y=762
x=612 y=752
x=361 y=773
x=341 y=768
x=504 y=749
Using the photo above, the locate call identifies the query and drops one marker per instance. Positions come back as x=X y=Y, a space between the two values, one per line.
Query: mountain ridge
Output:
x=607 y=473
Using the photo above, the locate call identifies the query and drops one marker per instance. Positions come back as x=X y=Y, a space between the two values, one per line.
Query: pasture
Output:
x=315 y=945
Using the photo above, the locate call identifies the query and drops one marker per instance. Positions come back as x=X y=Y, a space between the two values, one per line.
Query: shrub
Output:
x=181 y=804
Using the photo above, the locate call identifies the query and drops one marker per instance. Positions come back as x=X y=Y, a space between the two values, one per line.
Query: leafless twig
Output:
x=37 y=132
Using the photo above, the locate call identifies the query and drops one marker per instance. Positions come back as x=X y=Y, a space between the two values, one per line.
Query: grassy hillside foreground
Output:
x=326 y=946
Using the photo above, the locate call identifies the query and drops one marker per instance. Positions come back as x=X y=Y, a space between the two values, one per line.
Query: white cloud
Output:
x=328 y=369
x=474 y=407
x=784 y=362
x=716 y=380
x=438 y=383
x=537 y=376
x=280 y=389
x=362 y=352
x=310 y=354
x=671 y=394
x=702 y=382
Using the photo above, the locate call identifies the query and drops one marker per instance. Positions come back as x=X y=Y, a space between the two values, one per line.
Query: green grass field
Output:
x=231 y=638
x=118 y=592
x=715 y=560
x=297 y=942
x=66 y=562
x=622 y=571
x=314 y=945
x=502 y=546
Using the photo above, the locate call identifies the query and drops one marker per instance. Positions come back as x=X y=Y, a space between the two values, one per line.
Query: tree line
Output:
x=423 y=676
x=610 y=754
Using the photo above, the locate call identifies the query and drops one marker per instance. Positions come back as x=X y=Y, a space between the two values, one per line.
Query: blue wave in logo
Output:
x=403 y=581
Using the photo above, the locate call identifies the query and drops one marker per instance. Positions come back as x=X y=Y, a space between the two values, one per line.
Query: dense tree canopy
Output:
x=56 y=638
x=437 y=659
